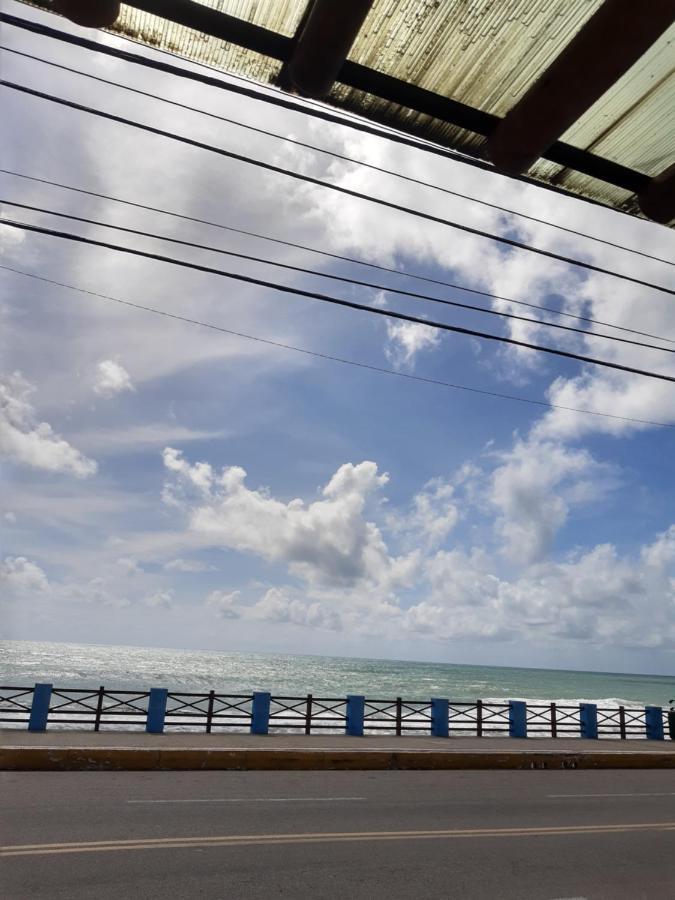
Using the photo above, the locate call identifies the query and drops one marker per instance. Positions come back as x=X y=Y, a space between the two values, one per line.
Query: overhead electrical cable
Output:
x=319 y=182
x=320 y=111
x=349 y=362
x=340 y=278
x=337 y=256
x=277 y=98
x=341 y=156
x=325 y=298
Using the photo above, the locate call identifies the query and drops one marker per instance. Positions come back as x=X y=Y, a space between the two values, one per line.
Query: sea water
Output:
x=22 y=663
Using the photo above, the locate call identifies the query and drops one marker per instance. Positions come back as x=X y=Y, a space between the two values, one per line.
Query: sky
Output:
x=164 y=484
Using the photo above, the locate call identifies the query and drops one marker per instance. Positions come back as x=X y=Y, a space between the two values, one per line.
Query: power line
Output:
x=335 y=155
x=340 y=278
x=325 y=298
x=348 y=362
x=269 y=167
x=337 y=256
x=306 y=107
x=277 y=99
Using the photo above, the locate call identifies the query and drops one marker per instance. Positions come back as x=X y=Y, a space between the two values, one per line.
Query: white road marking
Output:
x=251 y=800
x=659 y=794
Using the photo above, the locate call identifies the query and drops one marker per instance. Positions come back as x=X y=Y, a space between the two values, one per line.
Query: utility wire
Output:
x=348 y=362
x=276 y=98
x=335 y=155
x=349 y=304
x=337 y=256
x=269 y=167
x=340 y=278
x=346 y=119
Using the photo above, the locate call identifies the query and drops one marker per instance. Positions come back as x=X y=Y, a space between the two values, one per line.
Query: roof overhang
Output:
x=575 y=94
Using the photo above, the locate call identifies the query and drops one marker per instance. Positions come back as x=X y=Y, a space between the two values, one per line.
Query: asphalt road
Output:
x=376 y=835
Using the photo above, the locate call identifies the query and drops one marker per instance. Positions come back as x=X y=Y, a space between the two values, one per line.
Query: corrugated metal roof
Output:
x=480 y=52
x=483 y=53
x=281 y=16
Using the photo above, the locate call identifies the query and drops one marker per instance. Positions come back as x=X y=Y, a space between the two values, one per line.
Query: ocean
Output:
x=22 y=663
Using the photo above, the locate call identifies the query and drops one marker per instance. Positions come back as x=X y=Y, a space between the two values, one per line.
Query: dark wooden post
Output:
x=209 y=711
x=99 y=708
x=308 y=715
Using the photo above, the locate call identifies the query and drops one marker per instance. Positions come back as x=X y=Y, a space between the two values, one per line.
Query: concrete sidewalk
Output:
x=137 y=751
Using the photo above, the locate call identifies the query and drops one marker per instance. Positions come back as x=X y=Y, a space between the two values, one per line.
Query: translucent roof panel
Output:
x=634 y=122
x=484 y=54
x=280 y=16
x=480 y=52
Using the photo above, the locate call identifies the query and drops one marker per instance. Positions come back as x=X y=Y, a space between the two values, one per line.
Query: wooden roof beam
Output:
x=89 y=13
x=610 y=42
x=323 y=39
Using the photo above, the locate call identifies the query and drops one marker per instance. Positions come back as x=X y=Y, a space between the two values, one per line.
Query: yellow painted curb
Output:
x=131 y=759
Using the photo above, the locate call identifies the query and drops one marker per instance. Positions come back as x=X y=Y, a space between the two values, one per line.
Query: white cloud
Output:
x=328 y=540
x=224 y=604
x=595 y=596
x=28 y=442
x=432 y=516
x=406 y=340
x=111 y=379
x=278 y=605
x=159 y=600
x=187 y=565
x=112 y=441
x=19 y=576
x=533 y=490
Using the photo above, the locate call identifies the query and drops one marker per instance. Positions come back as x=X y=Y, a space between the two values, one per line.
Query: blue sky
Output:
x=378 y=515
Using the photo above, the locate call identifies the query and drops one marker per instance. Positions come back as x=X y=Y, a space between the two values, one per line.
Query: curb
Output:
x=137 y=759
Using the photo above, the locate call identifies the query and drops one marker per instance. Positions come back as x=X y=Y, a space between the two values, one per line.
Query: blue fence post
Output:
x=260 y=712
x=154 y=724
x=588 y=720
x=654 y=723
x=355 y=710
x=517 y=718
x=439 y=717
x=39 y=711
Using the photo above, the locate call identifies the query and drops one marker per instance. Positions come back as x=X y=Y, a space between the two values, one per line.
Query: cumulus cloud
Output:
x=433 y=514
x=111 y=378
x=28 y=442
x=533 y=489
x=329 y=540
x=406 y=340
x=349 y=580
x=224 y=604
x=159 y=600
x=596 y=596
x=279 y=605
x=19 y=577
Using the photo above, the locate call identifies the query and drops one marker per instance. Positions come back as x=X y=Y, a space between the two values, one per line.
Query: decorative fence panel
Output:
x=208 y=712
x=44 y=706
x=15 y=705
x=71 y=706
x=622 y=722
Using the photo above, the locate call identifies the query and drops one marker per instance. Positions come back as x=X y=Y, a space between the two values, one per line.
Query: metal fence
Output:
x=158 y=710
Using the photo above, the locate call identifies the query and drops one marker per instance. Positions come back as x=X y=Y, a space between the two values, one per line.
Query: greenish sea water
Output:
x=22 y=663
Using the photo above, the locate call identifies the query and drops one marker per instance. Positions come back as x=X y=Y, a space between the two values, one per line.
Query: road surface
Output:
x=377 y=835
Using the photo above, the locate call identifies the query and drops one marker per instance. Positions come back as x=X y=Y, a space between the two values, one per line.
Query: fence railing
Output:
x=158 y=710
